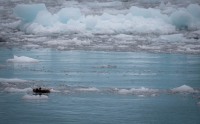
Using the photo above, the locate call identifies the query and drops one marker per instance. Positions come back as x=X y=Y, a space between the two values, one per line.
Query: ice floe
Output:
x=138 y=91
x=12 y=90
x=87 y=89
x=183 y=89
x=22 y=59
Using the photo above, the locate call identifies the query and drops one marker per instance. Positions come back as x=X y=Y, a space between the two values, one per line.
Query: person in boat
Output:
x=41 y=90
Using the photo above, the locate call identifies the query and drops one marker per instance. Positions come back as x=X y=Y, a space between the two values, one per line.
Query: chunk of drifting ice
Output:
x=148 y=13
x=183 y=89
x=71 y=19
x=42 y=18
x=194 y=9
x=139 y=91
x=11 y=89
x=34 y=97
x=66 y=14
x=89 y=89
x=34 y=20
x=28 y=12
x=23 y=59
x=181 y=19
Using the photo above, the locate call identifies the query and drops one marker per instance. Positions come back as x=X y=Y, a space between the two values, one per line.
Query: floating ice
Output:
x=65 y=14
x=181 y=19
x=187 y=18
x=138 y=91
x=28 y=12
x=137 y=20
x=22 y=59
x=183 y=89
x=35 y=97
x=11 y=89
x=194 y=9
x=89 y=89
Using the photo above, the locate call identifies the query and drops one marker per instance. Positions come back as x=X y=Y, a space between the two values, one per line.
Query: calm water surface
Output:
x=99 y=87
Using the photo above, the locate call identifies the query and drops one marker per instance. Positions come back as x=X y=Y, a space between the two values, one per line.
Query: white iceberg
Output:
x=183 y=89
x=22 y=59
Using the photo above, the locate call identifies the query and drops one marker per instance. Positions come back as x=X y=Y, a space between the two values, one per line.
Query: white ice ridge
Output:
x=136 y=20
x=22 y=59
x=183 y=89
x=35 y=97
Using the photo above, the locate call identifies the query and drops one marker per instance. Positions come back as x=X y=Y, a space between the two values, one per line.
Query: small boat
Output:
x=41 y=90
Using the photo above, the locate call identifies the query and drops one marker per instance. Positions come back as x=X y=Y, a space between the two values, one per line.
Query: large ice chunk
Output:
x=181 y=19
x=183 y=89
x=66 y=14
x=194 y=9
x=28 y=12
x=45 y=18
x=22 y=59
x=37 y=19
x=148 y=13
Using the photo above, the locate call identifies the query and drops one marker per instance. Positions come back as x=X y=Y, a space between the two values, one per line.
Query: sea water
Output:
x=99 y=87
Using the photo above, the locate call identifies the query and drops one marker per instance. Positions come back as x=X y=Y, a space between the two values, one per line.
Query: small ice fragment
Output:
x=88 y=89
x=11 y=89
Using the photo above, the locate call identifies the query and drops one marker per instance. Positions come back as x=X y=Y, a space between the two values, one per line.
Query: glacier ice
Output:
x=36 y=19
x=65 y=14
x=181 y=19
x=28 y=12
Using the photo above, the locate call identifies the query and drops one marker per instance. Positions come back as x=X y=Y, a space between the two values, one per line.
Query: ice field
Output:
x=147 y=25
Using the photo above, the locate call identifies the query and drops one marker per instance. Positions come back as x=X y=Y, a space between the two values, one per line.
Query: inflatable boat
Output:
x=41 y=90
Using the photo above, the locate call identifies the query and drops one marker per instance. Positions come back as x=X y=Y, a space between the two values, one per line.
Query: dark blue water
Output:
x=87 y=87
